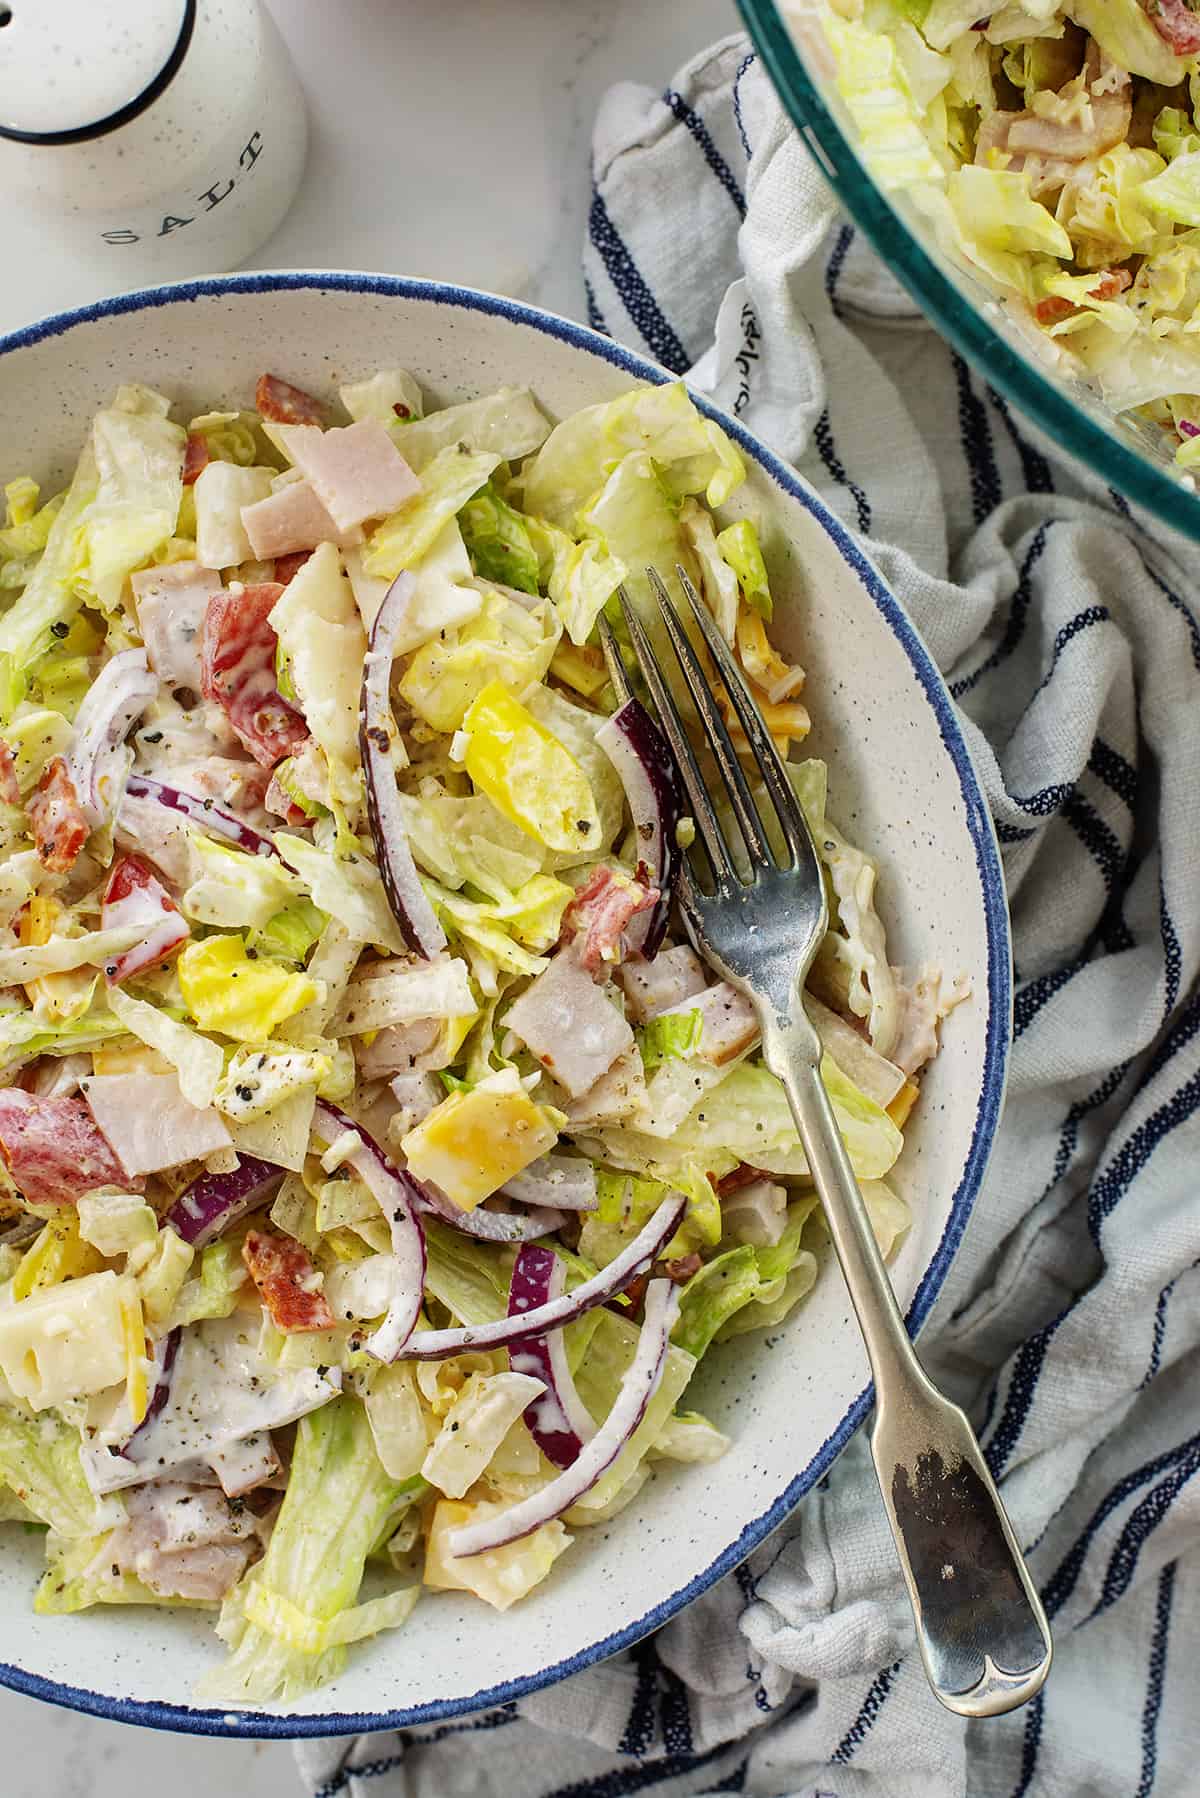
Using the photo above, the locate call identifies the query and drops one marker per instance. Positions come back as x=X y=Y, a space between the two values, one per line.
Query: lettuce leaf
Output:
x=446 y=485
x=323 y=646
x=40 y=1461
x=507 y=425
x=289 y=1620
x=139 y=462
x=498 y=542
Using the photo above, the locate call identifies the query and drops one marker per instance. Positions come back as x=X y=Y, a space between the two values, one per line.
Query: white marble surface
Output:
x=449 y=141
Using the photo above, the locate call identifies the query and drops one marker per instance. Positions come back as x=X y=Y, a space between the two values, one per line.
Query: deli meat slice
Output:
x=356 y=470
x=54 y=1149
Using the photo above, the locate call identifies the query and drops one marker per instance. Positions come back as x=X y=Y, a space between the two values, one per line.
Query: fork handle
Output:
x=982 y=1631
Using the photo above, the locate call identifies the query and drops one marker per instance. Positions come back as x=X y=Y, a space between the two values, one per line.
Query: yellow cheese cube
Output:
x=69 y=1340
x=473 y=1142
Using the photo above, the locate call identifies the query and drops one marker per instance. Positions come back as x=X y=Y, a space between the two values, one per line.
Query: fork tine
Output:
x=770 y=762
x=618 y=674
x=707 y=827
x=719 y=740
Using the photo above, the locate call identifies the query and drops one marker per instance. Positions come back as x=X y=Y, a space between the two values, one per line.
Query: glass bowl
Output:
x=1130 y=456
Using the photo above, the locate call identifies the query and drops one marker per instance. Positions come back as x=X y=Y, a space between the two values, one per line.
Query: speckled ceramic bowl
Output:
x=901 y=784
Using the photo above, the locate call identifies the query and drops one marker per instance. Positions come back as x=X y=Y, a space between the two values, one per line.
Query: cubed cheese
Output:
x=473 y=1142
x=67 y=1341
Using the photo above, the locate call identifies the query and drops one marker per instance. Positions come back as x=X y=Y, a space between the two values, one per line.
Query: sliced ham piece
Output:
x=756 y=1213
x=286 y=405
x=53 y=1148
x=182 y=1541
x=601 y=911
x=728 y=1023
x=288 y=1283
x=292 y=519
x=237 y=663
x=246 y=1465
x=196 y=456
x=171 y=604
x=569 y=1025
x=356 y=470
x=149 y=1124
x=619 y=1093
x=134 y=895
x=652 y=987
x=402 y=1048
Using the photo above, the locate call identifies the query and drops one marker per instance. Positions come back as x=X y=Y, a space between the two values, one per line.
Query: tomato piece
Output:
x=237 y=671
x=135 y=895
x=289 y=565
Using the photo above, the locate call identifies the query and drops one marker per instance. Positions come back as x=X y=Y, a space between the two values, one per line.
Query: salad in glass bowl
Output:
x=379 y=1159
x=1053 y=152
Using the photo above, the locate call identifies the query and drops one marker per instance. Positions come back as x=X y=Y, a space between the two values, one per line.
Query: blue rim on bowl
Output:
x=154 y=1715
x=1075 y=430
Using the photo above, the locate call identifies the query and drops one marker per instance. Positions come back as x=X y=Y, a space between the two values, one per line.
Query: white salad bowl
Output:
x=901 y=785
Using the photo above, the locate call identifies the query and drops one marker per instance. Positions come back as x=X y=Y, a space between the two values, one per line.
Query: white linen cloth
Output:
x=1069 y=632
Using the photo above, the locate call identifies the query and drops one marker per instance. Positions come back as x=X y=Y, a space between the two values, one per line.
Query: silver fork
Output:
x=982 y=1630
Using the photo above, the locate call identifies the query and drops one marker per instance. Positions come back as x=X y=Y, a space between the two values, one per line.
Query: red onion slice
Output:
x=559 y=1421
x=211 y=817
x=436 y=1345
x=487 y=1226
x=214 y=1202
x=401 y=883
x=98 y=759
x=397 y=1194
x=638 y=751
x=561 y=1182
x=165 y=1351
x=595 y=1457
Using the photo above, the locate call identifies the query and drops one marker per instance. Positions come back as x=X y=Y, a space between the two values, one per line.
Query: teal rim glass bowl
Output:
x=1131 y=457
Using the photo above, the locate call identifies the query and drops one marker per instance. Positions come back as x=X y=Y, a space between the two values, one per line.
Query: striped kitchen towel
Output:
x=1069 y=632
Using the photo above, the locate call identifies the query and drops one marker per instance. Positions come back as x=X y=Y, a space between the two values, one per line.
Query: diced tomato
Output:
x=54 y=1149
x=284 y=404
x=237 y=669
x=601 y=910
x=1175 y=23
x=196 y=457
x=135 y=895
x=287 y=566
x=10 y=792
x=59 y=827
x=287 y=1282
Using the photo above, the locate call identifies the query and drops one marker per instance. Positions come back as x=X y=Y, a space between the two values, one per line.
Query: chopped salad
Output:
x=1055 y=151
x=379 y=1158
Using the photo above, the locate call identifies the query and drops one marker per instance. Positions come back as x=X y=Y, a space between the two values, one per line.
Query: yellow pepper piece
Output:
x=227 y=991
x=473 y=1142
x=903 y=1103
x=133 y=1336
x=527 y=773
x=59 y=1253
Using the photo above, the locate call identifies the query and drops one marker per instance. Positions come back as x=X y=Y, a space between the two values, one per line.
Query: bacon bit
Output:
x=741 y=1175
x=287 y=1282
x=601 y=910
x=284 y=404
x=680 y=1270
x=196 y=457
x=287 y=566
x=1050 y=310
x=635 y=1292
x=1112 y=282
x=1175 y=23
x=59 y=827
x=10 y=792
x=237 y=671
x=54 y=1149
